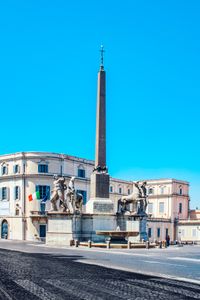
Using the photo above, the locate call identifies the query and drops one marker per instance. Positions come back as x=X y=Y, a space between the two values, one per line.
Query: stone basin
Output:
x=117 y=233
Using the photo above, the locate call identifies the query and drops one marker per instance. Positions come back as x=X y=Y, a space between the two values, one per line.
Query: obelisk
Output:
x=99 y=188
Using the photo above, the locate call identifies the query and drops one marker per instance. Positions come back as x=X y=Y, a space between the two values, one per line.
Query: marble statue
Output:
x=65 y=197
x=138 y=200
x=73 y=200
x=57 y=197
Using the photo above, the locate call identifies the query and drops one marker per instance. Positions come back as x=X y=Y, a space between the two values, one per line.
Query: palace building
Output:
x=24 y=173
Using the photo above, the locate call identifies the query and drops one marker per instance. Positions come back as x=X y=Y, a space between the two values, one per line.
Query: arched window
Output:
x=180 y=190
x=111 y=189
x=4 y=169
x=4 y=229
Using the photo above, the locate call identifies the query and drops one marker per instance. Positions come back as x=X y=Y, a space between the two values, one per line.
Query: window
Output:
x=111 y=189
x=120 y=190
x=150 y=208
x=17 y=212
x=16 y=191
x=180 y=191
x=42 y=208
x=194 y=232
x=149 y=232
x=4 y=170
x=4 y=193
x=42 y=168
x=158 y=232
x=183 y=232
x=16 y=169
x=166 y=232
x=161 y=207
x=44 y=191
x=84 y=194
x=180 y=208
x=162 y=189
x=129 y=191
x=81 y=173
x=151 y=191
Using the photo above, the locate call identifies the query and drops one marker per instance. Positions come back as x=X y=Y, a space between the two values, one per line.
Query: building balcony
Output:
x=38 y=214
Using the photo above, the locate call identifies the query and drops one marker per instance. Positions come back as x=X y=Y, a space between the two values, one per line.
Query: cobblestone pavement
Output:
x=54 y=276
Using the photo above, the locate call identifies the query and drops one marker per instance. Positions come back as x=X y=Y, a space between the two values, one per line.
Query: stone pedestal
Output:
x=62 y=228
x=100 y=206
x=99 y=185
x=134 y=223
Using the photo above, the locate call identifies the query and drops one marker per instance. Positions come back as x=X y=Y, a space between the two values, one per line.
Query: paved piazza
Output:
x=34 y=271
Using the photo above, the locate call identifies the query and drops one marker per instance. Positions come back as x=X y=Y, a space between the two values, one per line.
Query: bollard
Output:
x=147 y=244
x=129 y=245
x=89 y=244
x=108 y=244
x=76 y=243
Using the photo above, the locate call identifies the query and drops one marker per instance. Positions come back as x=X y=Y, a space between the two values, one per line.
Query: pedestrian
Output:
x=168 y=240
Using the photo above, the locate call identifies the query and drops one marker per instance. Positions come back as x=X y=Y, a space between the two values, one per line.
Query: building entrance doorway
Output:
x=4 y=229
x=42 y=232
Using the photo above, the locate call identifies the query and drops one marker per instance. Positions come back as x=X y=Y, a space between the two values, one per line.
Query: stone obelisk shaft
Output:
x=100 y=176
x=100 y=155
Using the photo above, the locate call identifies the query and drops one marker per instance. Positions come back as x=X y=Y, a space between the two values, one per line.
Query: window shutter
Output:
x=37 y=188
x=13 y=169
x=8 y=193
x=48 y=192
x=19 y=191
x=6 y=170
x=0 y=193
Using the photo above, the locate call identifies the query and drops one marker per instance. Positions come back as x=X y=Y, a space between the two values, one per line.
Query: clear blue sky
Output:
x=49 y=58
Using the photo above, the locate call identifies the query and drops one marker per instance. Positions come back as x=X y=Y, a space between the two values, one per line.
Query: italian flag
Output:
x=33 y=196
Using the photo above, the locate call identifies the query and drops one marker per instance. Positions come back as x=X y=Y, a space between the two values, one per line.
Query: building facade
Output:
x=22 y=174
x=168 y=202
x=188 y=230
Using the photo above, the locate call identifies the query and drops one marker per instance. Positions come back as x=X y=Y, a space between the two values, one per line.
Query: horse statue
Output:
x=138 y=199
x=77 y=202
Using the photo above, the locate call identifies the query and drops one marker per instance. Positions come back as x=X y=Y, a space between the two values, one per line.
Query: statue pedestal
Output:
x=62 y=228
x=100 y=206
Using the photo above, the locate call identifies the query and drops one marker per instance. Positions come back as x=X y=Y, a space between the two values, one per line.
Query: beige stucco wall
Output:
x=69 y=166
x=188 y=232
